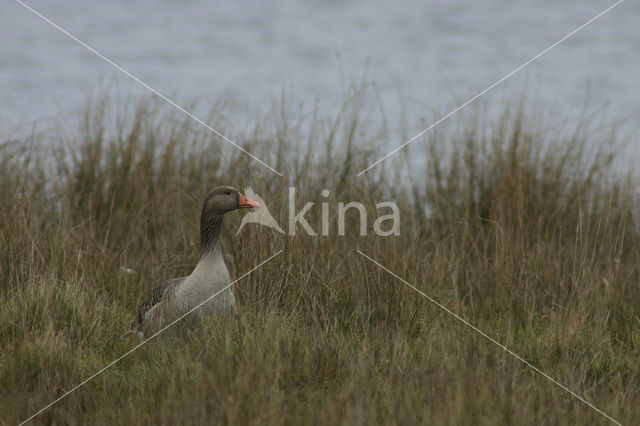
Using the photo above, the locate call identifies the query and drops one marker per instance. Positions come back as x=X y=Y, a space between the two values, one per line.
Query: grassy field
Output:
x=523 y=231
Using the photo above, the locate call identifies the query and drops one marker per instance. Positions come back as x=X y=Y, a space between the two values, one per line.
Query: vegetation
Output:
x=528 y=234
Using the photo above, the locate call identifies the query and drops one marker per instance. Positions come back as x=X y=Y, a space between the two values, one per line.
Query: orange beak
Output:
x=246 y=203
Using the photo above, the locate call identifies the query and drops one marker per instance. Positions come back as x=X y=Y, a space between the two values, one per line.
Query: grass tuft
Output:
x=530 y=235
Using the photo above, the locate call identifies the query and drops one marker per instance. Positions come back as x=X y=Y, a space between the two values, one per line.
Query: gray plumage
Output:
x=174 y=298
x=155 y=297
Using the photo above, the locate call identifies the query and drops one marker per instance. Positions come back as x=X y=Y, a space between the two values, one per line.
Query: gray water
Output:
x=423 y=56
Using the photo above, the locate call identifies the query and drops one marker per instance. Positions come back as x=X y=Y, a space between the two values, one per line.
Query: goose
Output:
x=175 y=297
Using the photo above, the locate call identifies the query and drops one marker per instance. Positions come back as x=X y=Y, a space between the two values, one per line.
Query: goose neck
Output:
x=210 y=227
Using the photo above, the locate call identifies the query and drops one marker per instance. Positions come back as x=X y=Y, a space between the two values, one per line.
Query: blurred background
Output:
x=424 y=58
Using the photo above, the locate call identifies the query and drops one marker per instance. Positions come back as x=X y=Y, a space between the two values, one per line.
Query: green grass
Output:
x=530 y=236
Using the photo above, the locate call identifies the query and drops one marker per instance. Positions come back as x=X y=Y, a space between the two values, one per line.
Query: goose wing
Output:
x=155 y=297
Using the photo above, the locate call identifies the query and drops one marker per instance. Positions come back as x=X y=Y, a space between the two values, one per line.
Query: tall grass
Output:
x=531 y=237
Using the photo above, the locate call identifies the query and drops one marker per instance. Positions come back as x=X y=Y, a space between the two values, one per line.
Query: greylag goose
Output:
x=174 y=298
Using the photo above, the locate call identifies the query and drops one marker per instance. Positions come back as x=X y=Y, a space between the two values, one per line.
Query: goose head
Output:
x=224 y=199
x=219 y=201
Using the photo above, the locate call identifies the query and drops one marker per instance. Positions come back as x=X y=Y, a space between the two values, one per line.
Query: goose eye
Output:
x=228 y=193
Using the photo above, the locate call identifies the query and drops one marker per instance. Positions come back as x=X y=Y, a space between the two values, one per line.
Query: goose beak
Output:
x=246 y=203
